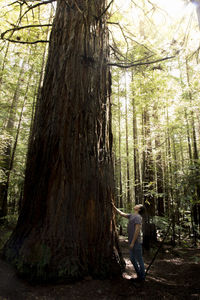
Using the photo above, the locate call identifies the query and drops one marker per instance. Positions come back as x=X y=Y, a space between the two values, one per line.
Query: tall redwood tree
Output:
x=65 y=229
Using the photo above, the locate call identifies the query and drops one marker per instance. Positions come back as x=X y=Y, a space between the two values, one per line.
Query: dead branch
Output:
x=23 y=42
x=31 y=7
x=122 y=31
x=23 y=27
x=117 y=52
x=126 y=66
x=129 y=36
x=99 y=17
x=161 y=244
x=22 y=2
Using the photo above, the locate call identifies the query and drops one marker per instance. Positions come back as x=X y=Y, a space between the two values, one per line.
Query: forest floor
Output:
x=175 y=274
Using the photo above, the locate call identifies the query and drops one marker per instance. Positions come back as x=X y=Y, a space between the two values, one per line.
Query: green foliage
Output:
x=20 y=71
x=161 y=223
x=167 y=95
x=6 y=227
x=5 y=234
x=122 y=222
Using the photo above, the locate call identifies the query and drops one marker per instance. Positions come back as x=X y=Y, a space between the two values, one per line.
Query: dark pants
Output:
x=137 y=260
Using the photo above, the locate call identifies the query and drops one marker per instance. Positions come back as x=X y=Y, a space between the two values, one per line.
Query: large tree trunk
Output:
x=66 y=229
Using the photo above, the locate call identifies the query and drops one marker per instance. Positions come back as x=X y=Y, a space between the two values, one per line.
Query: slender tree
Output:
x=128 y=196
x=4 y=62
x=195 y=157
x=6 y=163
x=137 y=181
x=158 y=167
x=148 y=166
x=119 y=141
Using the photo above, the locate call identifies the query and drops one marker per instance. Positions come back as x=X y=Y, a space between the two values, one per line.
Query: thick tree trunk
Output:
x=65 y=230
x=39 y=81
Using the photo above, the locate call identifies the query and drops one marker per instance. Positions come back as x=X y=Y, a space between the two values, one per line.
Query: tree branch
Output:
x=25 y=2
x=128 y=36
x=78 y=7
x=105 y=10
x=30 y=7
x=23 y=42
x=23 y=27
x=161 y=244
x=117 y=52
x=36 y=5
x=125 y=66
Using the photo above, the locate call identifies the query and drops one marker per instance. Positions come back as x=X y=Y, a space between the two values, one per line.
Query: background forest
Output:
x=154 y=60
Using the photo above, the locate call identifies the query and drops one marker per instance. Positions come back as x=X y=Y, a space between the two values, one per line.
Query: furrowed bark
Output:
x=66 y=229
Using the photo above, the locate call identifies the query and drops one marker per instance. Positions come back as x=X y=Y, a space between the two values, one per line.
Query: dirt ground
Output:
x=175 y=274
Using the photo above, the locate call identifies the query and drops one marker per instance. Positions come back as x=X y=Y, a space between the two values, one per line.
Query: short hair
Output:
x=142 y=210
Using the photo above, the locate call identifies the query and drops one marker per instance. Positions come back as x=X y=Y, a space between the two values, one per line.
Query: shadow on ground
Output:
x=175 y=274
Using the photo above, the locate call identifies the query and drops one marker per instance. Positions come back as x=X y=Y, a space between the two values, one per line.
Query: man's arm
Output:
x=121 y=213
x=136 y=233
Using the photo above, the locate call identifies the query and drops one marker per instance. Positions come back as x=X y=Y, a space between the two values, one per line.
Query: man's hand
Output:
x=119 y=211
x=131 y=246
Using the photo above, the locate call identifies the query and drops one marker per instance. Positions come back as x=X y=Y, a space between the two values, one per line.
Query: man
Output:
x=134 y=238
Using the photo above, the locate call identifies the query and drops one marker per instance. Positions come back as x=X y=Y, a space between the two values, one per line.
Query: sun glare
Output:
x=173 y=7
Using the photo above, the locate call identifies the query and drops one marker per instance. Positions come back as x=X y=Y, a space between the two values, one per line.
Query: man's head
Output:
x=140 y=209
